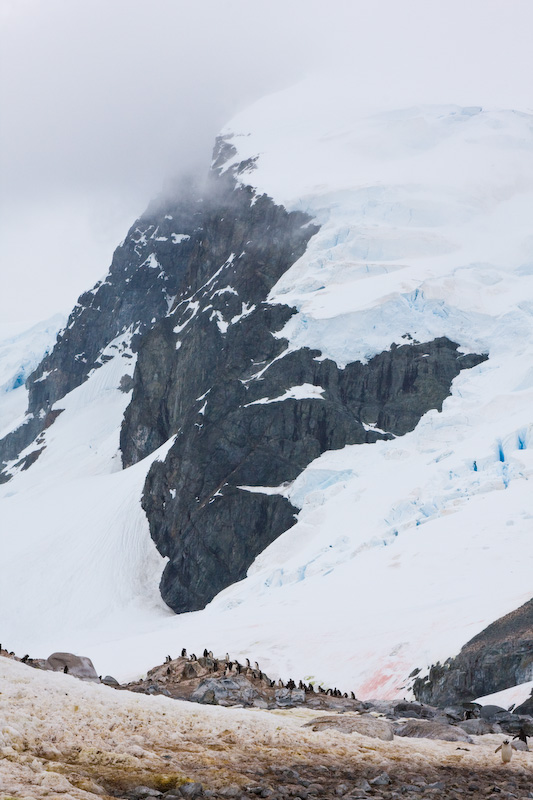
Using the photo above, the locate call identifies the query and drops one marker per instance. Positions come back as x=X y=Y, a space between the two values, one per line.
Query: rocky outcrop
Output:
x=497 y=658
x=221 y=681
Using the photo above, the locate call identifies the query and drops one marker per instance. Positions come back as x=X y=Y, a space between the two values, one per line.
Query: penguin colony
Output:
x=231 y=666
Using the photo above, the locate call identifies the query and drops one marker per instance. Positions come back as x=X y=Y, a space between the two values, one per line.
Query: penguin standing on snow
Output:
x=507 y=750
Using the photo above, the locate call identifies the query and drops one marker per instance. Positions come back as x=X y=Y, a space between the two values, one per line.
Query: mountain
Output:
x=299 y=401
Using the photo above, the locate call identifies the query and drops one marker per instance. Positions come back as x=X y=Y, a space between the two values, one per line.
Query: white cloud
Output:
x=104 y=100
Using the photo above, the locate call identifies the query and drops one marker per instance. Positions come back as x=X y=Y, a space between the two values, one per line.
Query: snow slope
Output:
x=403 y=549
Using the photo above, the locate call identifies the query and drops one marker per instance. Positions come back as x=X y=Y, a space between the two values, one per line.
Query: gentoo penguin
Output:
x=520 y=735
x=507 y=751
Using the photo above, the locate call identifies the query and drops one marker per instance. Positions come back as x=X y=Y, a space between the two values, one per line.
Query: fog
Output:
x=105 y=100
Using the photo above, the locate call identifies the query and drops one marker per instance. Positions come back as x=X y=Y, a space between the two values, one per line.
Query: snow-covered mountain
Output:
x=338 y=326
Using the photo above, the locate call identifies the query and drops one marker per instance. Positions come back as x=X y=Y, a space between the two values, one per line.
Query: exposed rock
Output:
x=145 y=791
x=366 y=725
x=190 y=790
x=218 y=690
x=381 y=780
x=78 y=666
x=490 y=712
x=110 y=681
x=497 y=658
x=479 y=727
x=429 y=729
x=289 y=697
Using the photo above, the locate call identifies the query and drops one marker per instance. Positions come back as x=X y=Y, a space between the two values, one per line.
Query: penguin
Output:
x=522 y=736
x=184 y=653
x=507 y=750
x=65 y=669
x=168 y=659
x=256 y=665
x=205 y=652
x=193 y=657
x=352 y=695
x=238 y=667
x=25 y=658
x=227 y=656
x=248 y=662
x=168 y=670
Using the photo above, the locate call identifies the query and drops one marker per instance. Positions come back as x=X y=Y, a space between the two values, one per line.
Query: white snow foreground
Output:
x=60 y=737
x=403 y=549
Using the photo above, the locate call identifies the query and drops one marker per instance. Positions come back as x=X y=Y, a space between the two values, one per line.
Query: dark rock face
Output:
x=199 y=517
x=498 y=657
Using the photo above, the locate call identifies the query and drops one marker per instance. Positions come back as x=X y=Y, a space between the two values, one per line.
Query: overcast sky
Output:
x=103 y=100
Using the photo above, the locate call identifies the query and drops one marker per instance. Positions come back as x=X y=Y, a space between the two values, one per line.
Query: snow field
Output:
x=62 y=737
x=74 y=538
x=508 y=698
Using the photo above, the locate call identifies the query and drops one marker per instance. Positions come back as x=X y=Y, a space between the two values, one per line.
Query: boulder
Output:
x=490 y=712
x=289 y=697
x=110 y=681
x=428 y=729
x=366 y=725
x=79 y=666
x=479 y=727
x=220 y=690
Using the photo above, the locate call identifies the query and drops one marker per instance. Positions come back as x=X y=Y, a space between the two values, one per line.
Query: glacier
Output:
x=403 y=549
